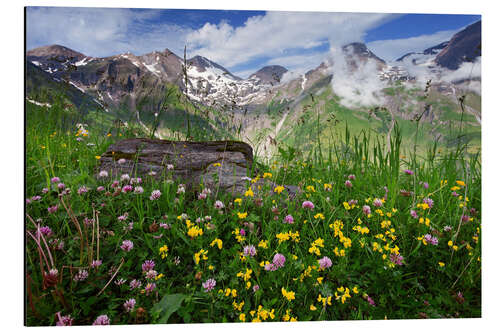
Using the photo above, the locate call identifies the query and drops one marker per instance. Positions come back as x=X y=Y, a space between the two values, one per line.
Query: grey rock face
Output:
x=194 y=163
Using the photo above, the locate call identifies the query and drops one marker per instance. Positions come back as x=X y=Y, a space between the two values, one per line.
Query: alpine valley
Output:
x=164 y=94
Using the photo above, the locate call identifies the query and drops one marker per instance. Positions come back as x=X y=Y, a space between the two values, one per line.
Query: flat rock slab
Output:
x=217 y=165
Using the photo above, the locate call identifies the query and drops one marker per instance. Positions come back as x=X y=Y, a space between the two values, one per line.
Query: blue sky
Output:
x=241 y=41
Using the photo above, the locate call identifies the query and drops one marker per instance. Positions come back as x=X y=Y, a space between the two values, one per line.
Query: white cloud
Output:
x=101 y=31
x=392 y=49
x=271 y=34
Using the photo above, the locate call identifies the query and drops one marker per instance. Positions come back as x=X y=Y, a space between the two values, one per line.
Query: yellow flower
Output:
x=320 y=280
x=310 y=188
x=108 y=135
x=211 y=267
x=163 y=251
x=267 y=175
x=279 y=189
x=202 y=254
x=263 y=244
x=312 y=307
x=242 y=215
x=246 y=276
x=195 y=231
x=289 y=295
x=319 y=216
x=249 y=192
x=441 y=264
x=217 y=242
x=238 y=201
x=242 y=317
x=98 y=157
x=327 y=187
x=216 y=164
x=461 y=183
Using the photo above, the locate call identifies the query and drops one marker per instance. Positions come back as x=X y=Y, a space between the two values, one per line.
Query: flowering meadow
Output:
x=372 y=234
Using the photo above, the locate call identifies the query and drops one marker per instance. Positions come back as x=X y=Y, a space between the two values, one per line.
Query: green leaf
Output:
x=167 y=305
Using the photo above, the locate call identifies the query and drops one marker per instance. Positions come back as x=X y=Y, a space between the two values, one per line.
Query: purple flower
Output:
x=367 y=210
x=325 y=262
x=82 y=190
x=96 y=263
x=352 y=202
x=137 y=180
x=249 y=250
x=115 y=184
x=426 y=185
x=120 y=281
x=219 y=204
x=81 y=275
x=370 y=300
x=377 y=202
x=270 y=267
x=430 y=239
x=429 y=202
x=455 y=194
x=103 y=174
x=53 y=209
x=151 y=274
x=409 y=172
x=348 y=184
x=127 y=188
x=46 y=231
x=255 y=288
x=100 y=188
x=155 y=195
x=127 y=245
x=396 y=259
x=288 y=219
x=465 y=218
x=308 y=205
x=55 y=180
x=45 y=190
x=413 y=214
x=138 y=190
x=135 y=284
x=125 y=177
x=64 y=320
x=148 y=265
x=36 y=198
x=279 y=260
x=102 y=320
x=351 y=177
x=149 y=288
x=129 y=305
x=447 y=228
x=209 y=285
x=242 y=232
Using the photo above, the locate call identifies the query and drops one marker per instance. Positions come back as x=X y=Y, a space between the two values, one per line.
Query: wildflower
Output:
x=289 y=295
x=426 y=185
x=263 y=244
x=45 y=190
x=397 y=259
x=279 y=189
x=55 y=180
x=46 y=231
x=195 y=231
x=308 y=205
x=430 y=239
x=325 y=262
x=367 y=210
x=369 y=300
x=52 y=209
x=441 y=264
x=246 y=276
x=279 y=260
x=348 y=184
x=103 y=174
x=413 y=214
x=102 y=320
x=242 y=215
x=152 y=173
x=96 y=263
x=163 y=251
x=267 y=175
x=429 y=202
x=217 y=242
x=345 y=294
x=148 y=265
x=465 y=218
x=408 y=172
x=119 y=282
x=351 y=177
x=288 y=219
x=242 y=317
x=460 y=183
x=181 y=189
x=202 y=254
x=155 y=195
x=249 y=250
x=209 y=285
x=249 y=192
x=377 y=202
x=242 y=232
x=327 y=187
x=64 y=320
x=255 y=288
x=447 y=228
x=127 y=188
x=127 y=245
x=81 y=275
x=135 y=284
x=319 y=216
x=149 y=288
x=219 y=204
x=138 y=190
